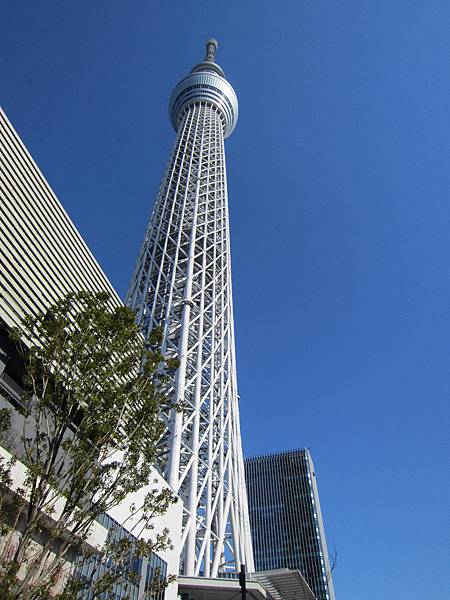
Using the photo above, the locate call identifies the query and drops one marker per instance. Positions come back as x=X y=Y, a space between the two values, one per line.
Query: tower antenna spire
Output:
x=211 y=47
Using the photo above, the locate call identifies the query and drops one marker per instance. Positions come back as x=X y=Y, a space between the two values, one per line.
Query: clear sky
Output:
x=339 y=185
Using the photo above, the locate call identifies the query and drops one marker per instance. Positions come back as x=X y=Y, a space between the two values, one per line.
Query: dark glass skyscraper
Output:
x=286 y=520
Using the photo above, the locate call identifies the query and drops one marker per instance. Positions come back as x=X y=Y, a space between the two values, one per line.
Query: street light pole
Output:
x=242 y=583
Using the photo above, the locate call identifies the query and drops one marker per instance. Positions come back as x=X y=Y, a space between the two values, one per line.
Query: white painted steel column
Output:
x=176 y=421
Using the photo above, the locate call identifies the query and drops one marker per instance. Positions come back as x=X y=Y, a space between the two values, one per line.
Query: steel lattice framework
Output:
x=182 y=281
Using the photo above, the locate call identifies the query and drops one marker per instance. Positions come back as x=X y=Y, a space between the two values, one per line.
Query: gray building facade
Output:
x=285 y=518
x=42 y=258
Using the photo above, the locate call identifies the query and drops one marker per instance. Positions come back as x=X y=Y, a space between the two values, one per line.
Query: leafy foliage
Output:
x=91 y=407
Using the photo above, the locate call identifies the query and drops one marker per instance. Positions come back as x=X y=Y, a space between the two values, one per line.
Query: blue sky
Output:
x=339 y=186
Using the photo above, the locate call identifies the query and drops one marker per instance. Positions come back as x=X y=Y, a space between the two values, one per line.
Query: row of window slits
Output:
x=203 y=86
x=211 y=98
x=42 y=255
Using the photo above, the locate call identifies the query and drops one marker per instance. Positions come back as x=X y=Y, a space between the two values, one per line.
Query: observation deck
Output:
x=205 y=83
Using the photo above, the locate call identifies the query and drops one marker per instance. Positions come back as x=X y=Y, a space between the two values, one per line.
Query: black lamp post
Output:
x=242 y=583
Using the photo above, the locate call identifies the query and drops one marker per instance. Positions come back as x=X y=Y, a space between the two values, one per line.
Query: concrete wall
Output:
x=42 y=257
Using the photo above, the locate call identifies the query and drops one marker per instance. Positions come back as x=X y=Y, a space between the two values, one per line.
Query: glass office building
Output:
x=286 y=520
x=143 y=572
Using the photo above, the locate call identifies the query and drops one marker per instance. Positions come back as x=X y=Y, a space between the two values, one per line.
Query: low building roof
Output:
x=208 y=588
x=284 y=584
x=280 y=584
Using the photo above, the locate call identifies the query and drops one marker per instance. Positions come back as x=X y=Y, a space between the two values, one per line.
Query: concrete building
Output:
x=43 y=257
x=286 y=519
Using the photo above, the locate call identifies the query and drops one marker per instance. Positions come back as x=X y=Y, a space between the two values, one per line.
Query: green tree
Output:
x=91 y=421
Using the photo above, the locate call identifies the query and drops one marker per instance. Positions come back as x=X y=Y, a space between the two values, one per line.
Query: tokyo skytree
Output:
x=182 y=282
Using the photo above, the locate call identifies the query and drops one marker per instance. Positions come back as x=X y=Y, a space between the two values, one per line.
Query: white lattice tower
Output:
x=182 y=281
